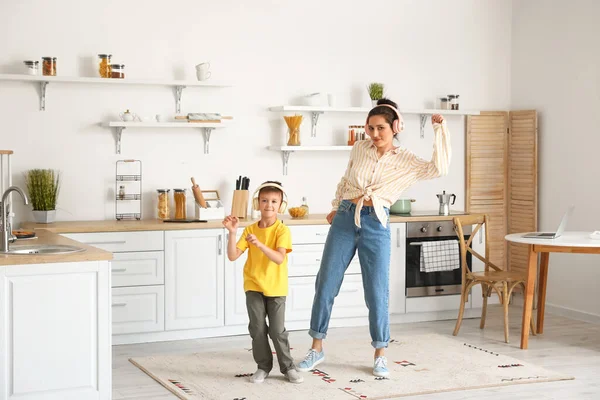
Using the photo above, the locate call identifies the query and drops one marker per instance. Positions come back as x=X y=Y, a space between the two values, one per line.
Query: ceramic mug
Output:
x=202 y=71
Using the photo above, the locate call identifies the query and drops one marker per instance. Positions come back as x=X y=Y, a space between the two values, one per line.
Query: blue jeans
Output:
x=372 y=240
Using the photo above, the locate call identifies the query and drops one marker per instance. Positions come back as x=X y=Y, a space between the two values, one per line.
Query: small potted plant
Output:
x=375 y=92
x=43 y=186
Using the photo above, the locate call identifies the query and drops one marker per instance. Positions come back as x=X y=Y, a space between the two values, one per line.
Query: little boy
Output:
x=265 y=280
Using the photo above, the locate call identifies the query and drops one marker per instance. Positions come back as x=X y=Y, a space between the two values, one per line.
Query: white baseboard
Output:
x=562 y=311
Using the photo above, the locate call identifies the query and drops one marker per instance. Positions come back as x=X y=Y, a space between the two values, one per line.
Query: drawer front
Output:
x=138 y=268
x=122 y=241
x=305 y=260
x=349 y=302
x=138 y=309
x=309 y=234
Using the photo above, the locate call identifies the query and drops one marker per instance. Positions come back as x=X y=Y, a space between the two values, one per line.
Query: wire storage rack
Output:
x=128 y=190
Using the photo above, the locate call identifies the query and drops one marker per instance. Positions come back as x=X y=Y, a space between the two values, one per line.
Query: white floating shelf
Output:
x=43 y=81
x=110 y=81
x=315 y=111
x=310 y=148
x=206 y=127
x=287 y=150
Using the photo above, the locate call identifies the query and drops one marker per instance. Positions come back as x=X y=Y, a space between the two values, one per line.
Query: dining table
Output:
x=567 y=242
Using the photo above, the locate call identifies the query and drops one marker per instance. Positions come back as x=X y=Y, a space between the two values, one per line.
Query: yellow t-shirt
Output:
x=260 y=273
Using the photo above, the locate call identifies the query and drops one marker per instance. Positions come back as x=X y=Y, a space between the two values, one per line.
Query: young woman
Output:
x=377 y=173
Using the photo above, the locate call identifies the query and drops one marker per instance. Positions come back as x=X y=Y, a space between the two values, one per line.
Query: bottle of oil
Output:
x=305 y=205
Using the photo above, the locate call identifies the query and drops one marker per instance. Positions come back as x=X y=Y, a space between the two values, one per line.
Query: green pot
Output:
x=401 y=206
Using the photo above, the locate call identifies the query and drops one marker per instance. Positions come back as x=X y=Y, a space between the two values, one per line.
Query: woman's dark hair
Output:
x=271 y=189
x=386 y=112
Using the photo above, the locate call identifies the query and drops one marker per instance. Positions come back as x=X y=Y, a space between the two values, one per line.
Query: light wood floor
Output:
x=567 y=346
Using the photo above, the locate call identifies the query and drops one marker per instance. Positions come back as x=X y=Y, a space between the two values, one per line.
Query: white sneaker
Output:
x=259 y=376
x=312 y=359
x=293 y=376
x=380 y=367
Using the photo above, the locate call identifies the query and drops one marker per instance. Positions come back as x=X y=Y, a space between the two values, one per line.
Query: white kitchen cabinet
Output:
x=235 y=297
x=398 y=269
x=138 y=268
x=138 y=309
x=55 y=341
x=194 y=279
x=116 y=242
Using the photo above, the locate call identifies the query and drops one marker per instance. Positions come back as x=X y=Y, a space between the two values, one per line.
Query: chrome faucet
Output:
x=6 y=231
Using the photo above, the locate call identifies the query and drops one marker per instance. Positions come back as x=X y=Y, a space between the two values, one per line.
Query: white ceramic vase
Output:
x=44 y=217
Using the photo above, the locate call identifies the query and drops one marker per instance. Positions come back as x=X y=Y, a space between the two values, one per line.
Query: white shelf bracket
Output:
x=314 y=120
x=178 y=93
x=286 y=157
x=423 y=122
x=43 y=95
x=206 y=133
x=118 y=132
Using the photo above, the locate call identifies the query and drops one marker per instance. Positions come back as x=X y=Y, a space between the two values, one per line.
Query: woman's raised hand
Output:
x=437 y=119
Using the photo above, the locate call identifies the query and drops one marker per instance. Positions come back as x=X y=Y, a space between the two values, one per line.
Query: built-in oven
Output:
x=431 y=283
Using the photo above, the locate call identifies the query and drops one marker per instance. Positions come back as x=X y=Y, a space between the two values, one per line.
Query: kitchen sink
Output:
x=44 y=249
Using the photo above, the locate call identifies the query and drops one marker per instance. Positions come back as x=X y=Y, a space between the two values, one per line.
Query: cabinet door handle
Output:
x=321 y=234
x=397 y=237
x=109 y=242
x=119 y=304
x=220 y=244
x=119 y=270
x=318 y=260
x=349 y=290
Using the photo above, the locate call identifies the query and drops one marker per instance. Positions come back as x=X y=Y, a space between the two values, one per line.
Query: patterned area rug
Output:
x=418 y=365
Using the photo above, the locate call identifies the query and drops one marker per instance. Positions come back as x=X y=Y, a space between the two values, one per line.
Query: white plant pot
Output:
x=374 y=103
x=44 y=217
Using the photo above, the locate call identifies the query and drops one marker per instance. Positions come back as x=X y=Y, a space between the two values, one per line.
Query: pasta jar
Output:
x=104 y=65
x=49 y=66
x=179 y=196
x=33 y=67
x=163 y=203
x=117 y=71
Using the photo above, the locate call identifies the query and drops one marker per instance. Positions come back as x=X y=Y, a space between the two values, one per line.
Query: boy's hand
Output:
x=253 y=240
x=231 y=223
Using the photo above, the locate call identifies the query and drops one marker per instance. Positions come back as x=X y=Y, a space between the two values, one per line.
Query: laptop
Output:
x=559 y=231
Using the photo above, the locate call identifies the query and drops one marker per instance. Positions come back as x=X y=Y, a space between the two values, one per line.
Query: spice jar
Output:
x=117 y=71
x=122 y=192
x=104 y=65
x=444 y=103
x=163 y=203
x=454 y=105
x=49 y=66
x=179 y=196
x=33 y=67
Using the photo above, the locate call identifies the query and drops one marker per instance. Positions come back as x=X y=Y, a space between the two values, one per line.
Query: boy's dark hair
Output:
x=271 y=189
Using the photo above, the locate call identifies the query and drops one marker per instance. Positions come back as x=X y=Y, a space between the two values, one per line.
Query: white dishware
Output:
x=331 y=99
x=128 y=116
x=159 y=118
x=202 y=71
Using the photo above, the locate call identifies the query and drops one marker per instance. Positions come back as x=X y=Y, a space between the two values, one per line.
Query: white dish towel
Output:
x=443 y=255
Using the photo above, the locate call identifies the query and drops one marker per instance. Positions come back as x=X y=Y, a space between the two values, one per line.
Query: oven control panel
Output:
x=432 y=229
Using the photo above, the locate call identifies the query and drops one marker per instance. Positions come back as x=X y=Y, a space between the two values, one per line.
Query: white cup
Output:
x=159 y=118
x=202 y=71
x=331 y=99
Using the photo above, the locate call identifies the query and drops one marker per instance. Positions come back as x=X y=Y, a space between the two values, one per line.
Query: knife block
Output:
x=239 y=204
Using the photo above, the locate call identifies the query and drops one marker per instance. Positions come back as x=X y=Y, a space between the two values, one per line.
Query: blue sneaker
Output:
x=380 y=368
x=312 y=359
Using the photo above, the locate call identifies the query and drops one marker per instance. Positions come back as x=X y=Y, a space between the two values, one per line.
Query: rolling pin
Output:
x=198 y=194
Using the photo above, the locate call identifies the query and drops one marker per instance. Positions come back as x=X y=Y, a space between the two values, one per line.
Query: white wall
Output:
x=273 y=52
x=556 y=70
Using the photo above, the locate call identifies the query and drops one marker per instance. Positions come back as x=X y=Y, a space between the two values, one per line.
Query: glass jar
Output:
x=117 y=71
x=163 y=203
x=444 y=103
x=294 y=137
x=104 y=65
x=454 y=105
x=179 y=196
x=49 y=66
x=122 y=192
x=33 y=67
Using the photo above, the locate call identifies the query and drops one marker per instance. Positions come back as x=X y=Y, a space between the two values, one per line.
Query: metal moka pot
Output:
x=445 y=202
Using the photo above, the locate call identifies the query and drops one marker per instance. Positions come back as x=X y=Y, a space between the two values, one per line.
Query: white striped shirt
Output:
x=382 y=180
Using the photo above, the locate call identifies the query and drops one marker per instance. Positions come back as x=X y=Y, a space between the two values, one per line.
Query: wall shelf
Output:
x=177 y=85
x=316 y=111
x=287 y=150
x=206 y=127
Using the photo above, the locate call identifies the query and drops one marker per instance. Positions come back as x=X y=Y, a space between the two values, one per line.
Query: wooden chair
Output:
x=492 y=278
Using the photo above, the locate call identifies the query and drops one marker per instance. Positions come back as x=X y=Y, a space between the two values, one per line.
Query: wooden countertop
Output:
x=47 y=237
x=158 y=225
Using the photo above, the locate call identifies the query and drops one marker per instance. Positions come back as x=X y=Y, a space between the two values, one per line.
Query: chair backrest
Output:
x=480 y=222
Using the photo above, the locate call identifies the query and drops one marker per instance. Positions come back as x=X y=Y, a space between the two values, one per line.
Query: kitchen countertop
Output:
x=158 y=225
x=47 y=237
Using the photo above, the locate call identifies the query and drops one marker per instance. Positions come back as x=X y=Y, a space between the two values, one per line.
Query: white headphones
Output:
x=284 y=200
